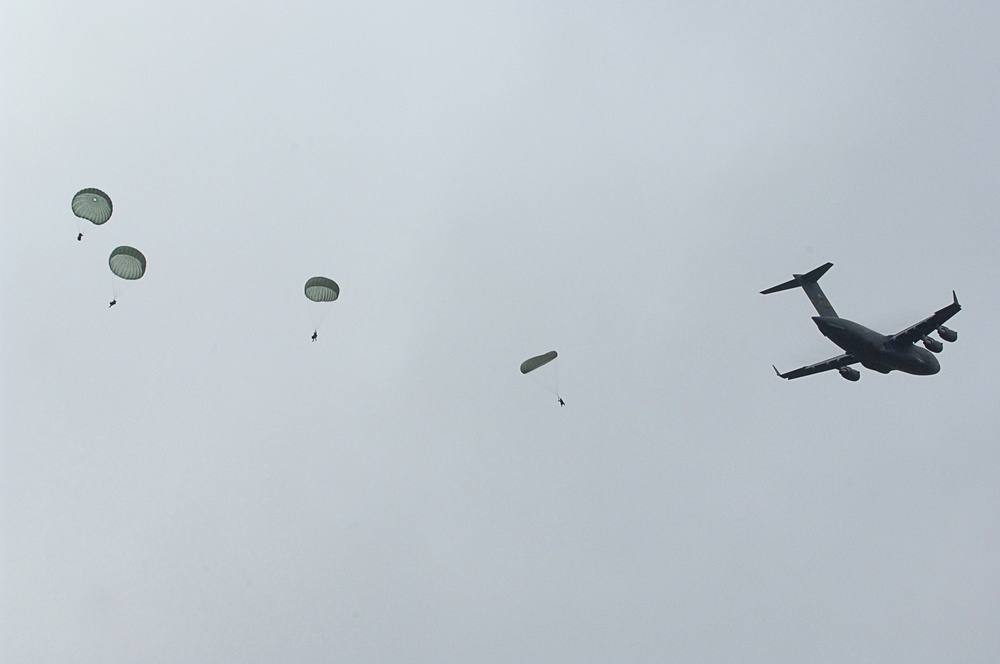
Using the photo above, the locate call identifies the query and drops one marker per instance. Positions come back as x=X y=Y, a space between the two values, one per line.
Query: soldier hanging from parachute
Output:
x=547 y=378
x=126 y=263
x=92 y=205
x=322 y=291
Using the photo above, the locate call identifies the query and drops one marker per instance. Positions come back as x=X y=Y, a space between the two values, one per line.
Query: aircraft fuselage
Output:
x=874 y=350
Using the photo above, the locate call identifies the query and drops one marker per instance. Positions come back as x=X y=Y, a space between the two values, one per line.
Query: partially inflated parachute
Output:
x=544 y=371
x=127 y=263
x=93 y=205
x=533 y=363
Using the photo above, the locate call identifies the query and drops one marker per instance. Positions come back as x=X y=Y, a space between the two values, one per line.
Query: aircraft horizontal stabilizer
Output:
x=809 y=282
x=799 y=280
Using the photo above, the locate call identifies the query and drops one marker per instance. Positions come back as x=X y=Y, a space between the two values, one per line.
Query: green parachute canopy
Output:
x=321 y=289
x=533 y=363
x=93 y=205
x=127 y=263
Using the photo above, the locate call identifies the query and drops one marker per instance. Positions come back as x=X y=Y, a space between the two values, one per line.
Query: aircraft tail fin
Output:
x=809 y=282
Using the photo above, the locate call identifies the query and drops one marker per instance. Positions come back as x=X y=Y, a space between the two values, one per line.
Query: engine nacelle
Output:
x=850 y=374
x=933 y=345
x=947 y=334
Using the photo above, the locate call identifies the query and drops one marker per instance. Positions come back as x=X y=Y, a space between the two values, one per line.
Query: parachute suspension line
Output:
x=548 y=381
x=543 y=370
x=317 y=314
x=119 y=286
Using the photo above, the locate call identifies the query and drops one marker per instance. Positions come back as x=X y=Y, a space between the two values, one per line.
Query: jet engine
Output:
x=933 y=345
x=850 y=374
x=947 y=334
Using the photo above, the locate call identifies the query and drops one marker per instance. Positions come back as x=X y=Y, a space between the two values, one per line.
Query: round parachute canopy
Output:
x=533 y=363
x=93 y=205
x=127 y=263
x=321 y=289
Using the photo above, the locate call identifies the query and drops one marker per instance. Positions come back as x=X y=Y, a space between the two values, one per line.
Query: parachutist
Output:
x=112 y=303
x=79 y=236
x=550 y=381
x=315 y=334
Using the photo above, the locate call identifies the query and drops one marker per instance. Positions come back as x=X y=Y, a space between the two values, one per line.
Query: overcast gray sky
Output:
x=187 y=478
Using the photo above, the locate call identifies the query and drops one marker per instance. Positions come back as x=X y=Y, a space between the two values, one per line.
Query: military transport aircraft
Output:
x=875 y=351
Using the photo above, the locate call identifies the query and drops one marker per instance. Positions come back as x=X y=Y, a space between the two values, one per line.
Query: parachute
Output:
x=547 y=377
x=533 y=363
x=93 y=205
x=127 y=263
x=320 y=291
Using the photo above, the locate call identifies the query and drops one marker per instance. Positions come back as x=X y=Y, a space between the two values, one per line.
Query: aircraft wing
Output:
x=915 y=333
x=825 y=365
